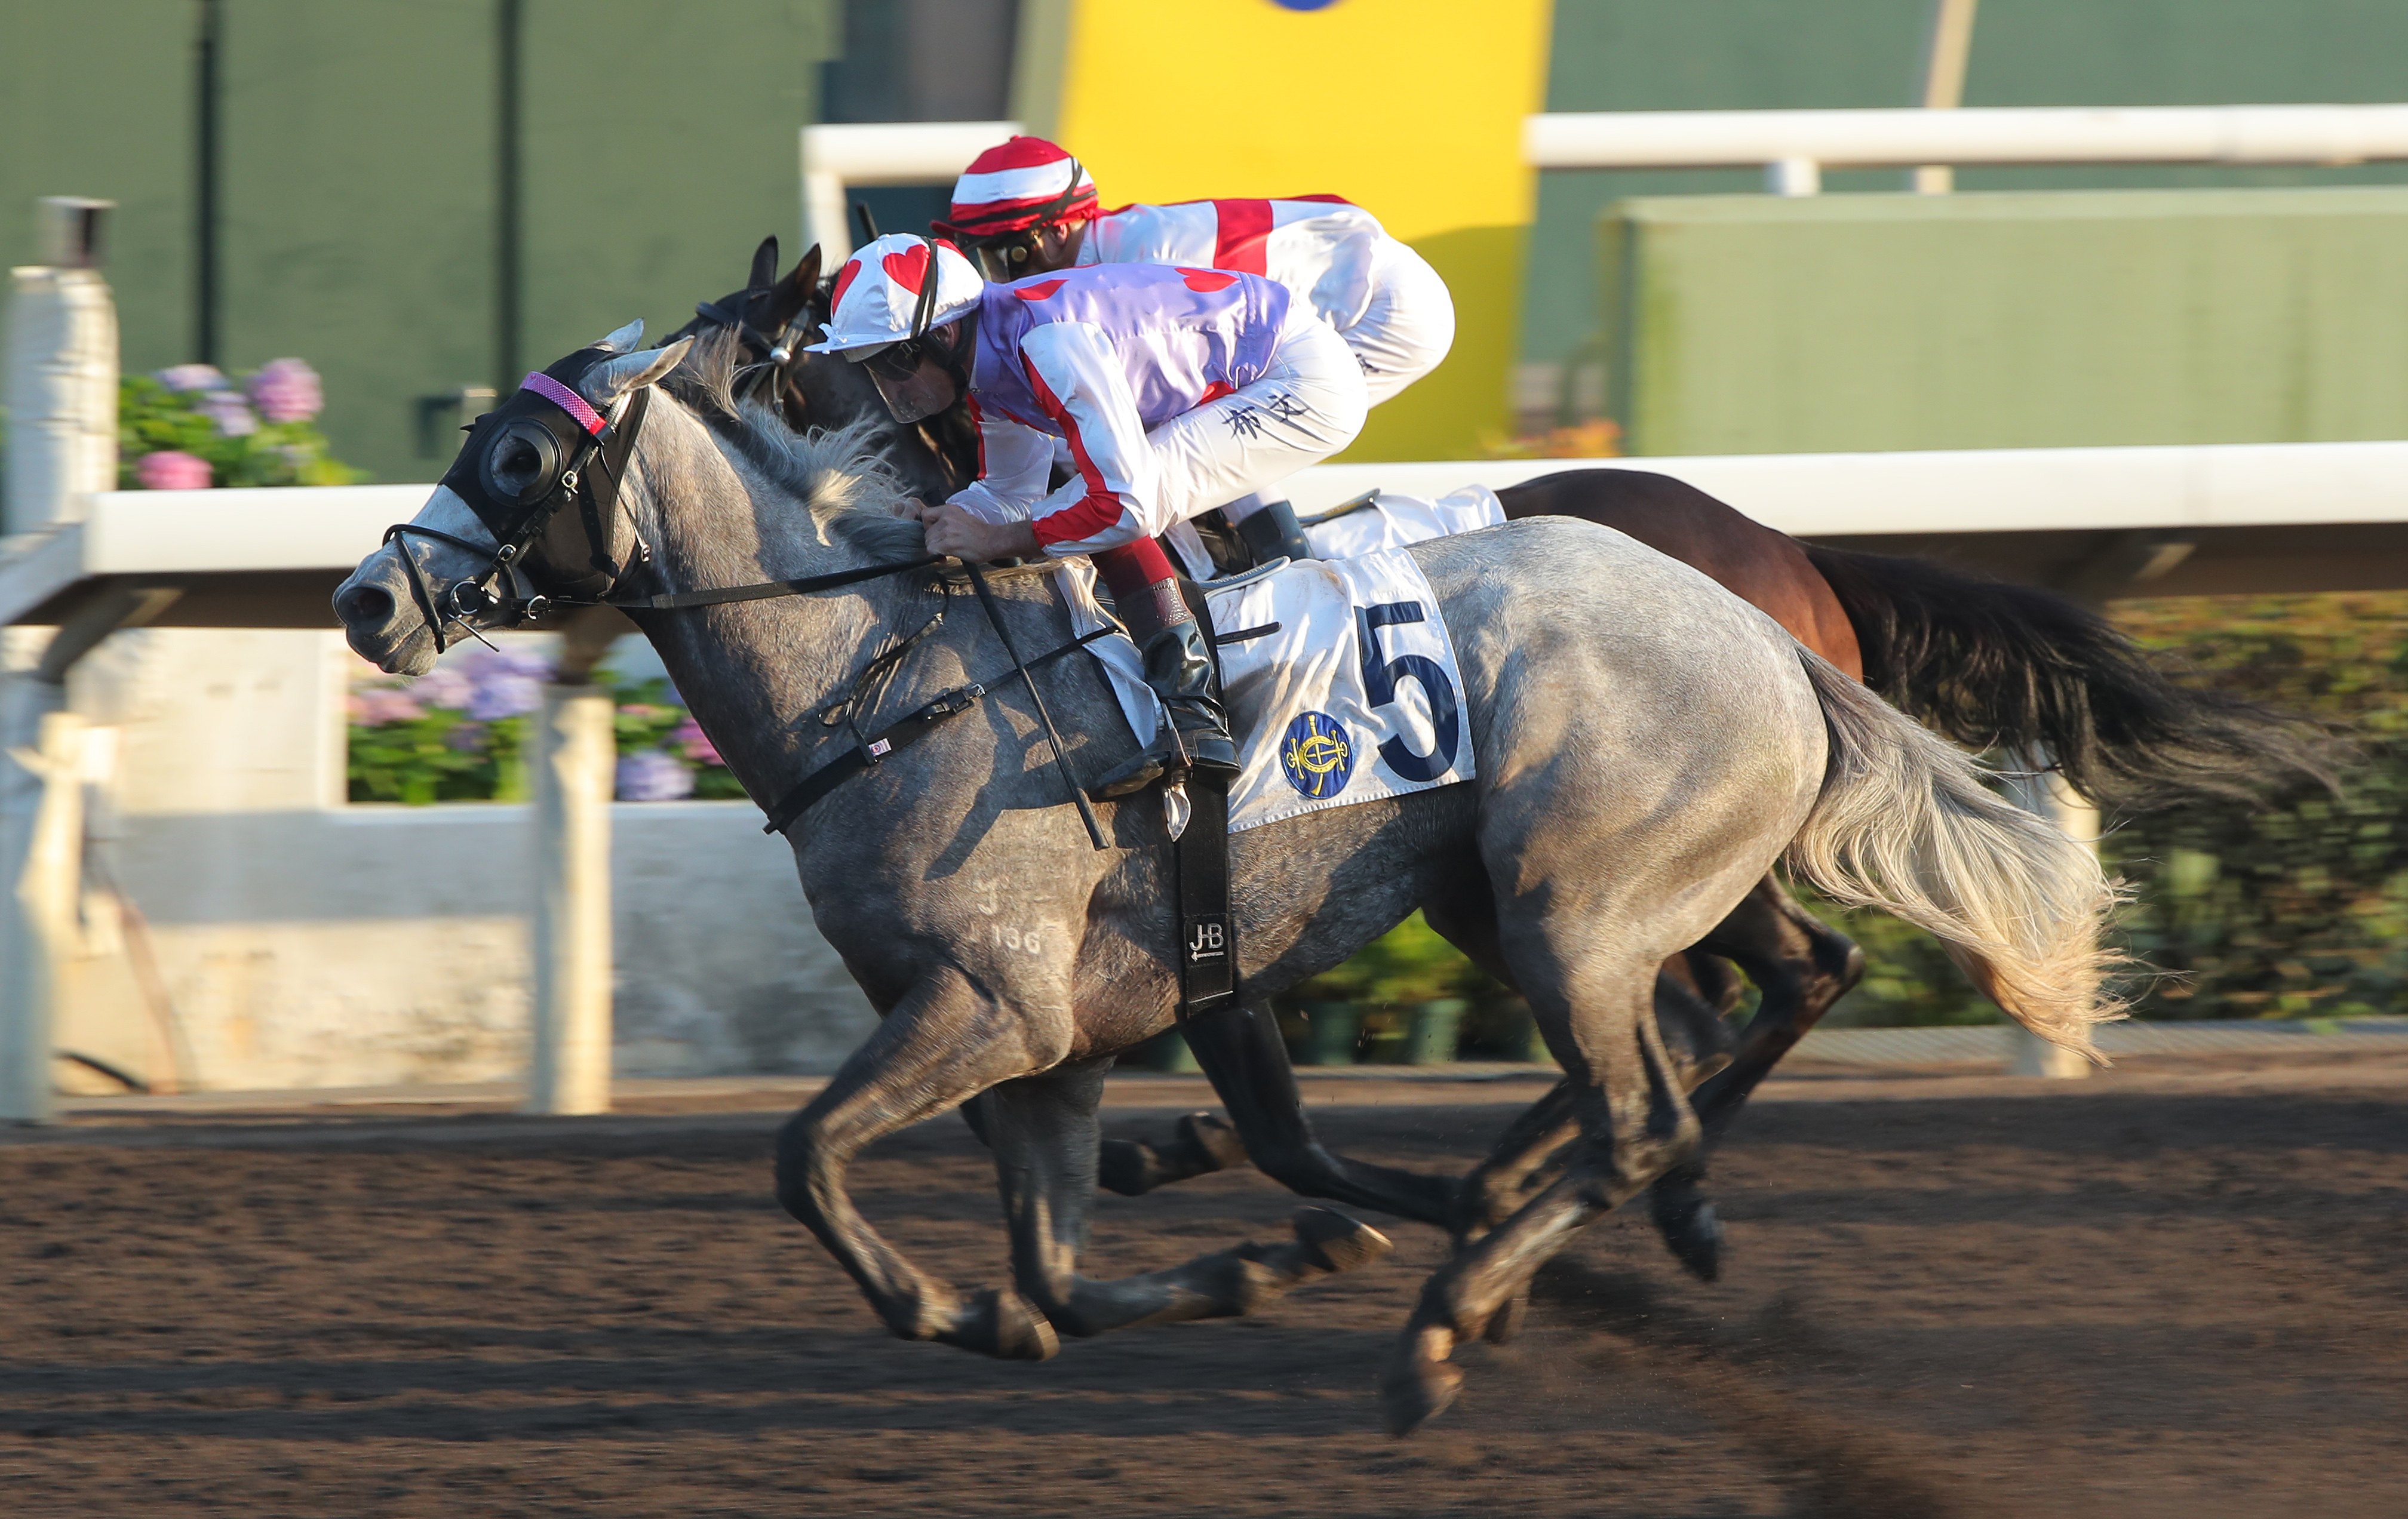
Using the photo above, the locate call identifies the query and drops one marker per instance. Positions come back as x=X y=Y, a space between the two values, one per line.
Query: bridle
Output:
x=775 y=352
x=541 y=452
x=546 y=447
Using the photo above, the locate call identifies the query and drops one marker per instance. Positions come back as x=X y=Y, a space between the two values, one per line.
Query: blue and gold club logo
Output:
x=1317 y=755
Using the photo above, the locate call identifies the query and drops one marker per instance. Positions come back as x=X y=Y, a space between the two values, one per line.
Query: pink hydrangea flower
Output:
x=650 y=775
x=696 y=744
x=172 y=470
x=372 y=706
x=287 y=389
x=186 y=378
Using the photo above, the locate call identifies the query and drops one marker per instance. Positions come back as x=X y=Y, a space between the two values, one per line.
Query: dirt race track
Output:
x=2170 y=1292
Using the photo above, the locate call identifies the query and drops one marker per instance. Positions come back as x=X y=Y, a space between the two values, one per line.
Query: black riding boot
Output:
x=1180 y=668
x=1272 y=532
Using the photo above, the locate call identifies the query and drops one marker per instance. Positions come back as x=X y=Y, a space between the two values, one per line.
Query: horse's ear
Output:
x=794 y=294
x=624 y=339
x=764 y=266
x=613 y=378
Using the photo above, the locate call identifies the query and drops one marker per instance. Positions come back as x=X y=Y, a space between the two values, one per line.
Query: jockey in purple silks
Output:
x=1174 y=389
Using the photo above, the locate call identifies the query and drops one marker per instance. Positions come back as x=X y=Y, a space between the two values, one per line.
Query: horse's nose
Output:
x=362 y=605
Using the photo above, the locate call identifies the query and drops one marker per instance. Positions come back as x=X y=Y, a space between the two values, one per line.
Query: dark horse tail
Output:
x=1989 y=664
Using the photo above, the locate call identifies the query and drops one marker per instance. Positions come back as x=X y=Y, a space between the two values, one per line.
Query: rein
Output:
x=604 y=452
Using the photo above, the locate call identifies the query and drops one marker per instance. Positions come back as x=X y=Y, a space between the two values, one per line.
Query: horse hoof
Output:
x=1686 y=1218
x=1213 y=1140
x=1334 y=1242
x=1000 y=1323
x=1127 y=1167
x=1419 y=1383
x=1506 y=1322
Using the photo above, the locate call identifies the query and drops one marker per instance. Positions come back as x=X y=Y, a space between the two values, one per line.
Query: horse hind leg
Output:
x=1242 y=1052
x=1802 y=965
x=1634 y=1123
x=1044 y=1133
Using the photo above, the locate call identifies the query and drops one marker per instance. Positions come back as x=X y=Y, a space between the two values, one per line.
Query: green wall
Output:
x=1754 y=54
x=358 y=167
x=1753 y=324
x=63 y=132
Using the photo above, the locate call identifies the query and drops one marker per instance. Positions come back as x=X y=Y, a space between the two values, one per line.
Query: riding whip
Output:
x=1061 y=761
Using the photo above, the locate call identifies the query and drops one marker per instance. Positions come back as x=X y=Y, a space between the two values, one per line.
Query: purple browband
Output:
x=568 y=400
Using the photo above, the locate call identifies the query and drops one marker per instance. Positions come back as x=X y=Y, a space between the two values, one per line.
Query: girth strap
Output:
x=1208 y=942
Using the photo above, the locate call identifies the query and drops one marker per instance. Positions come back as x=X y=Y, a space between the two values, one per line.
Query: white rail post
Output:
x=41 y=838
x=60 y=384
x=1945 y=48
x=574 y=768
x=1793 y=176
x=2047 y=794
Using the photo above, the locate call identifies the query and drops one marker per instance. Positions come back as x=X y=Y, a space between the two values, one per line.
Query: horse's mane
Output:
x=837 y=472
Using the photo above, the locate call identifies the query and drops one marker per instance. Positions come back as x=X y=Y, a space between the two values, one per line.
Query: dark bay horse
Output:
x=1987 y=664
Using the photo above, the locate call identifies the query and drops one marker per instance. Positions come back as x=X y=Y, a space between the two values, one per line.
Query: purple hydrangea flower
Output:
x=230 y=412
x=503 y=683
x=189 y=378
x=172 y=470
x=445 y=685
x=649 y=775
x=466 y=738
x=374 y=704
x=694 y=743
x=287 y=389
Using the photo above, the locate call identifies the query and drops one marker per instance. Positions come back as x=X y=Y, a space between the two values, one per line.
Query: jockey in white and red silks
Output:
x=1175 y=390
x=1028 y=207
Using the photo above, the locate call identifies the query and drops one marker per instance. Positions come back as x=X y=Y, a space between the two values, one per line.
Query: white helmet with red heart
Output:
x=884 y=292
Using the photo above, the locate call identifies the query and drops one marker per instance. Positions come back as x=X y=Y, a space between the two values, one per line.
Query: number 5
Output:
x=1380 y=685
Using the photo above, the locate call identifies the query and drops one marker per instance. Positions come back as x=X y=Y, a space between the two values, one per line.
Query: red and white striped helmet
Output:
x=886 y=293
x=1026 y=182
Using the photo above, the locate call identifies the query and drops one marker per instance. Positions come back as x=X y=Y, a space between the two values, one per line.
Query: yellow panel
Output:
x=1411 y=109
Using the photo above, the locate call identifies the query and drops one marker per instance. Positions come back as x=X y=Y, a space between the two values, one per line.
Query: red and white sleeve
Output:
x=1115 y=497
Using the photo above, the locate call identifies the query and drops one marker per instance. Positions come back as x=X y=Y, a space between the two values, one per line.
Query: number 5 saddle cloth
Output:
x=1341 y=685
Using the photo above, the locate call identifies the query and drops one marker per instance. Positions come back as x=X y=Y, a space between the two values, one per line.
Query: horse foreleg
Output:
x=941 y=1045
x=1044 y=1132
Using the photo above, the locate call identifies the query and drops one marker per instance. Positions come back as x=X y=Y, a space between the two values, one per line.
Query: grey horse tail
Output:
x=1989 y=664
x=1904 y=823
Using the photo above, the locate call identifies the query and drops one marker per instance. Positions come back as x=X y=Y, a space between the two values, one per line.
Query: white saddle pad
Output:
x=1391 y=521
x=1350 y=692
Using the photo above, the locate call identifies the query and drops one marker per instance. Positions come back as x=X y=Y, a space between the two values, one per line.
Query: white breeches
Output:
x=1306 y=407
x=1408 y=326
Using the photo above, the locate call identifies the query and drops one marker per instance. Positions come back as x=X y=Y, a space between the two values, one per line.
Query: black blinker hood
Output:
x=572 y=550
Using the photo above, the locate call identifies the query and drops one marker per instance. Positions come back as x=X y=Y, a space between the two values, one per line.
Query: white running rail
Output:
x=1792 y=146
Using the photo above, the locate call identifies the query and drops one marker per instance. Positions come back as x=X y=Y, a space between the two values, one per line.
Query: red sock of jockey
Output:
x=1145 y=590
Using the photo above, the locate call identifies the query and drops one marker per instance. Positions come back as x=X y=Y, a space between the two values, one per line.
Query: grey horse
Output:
x=1648 y=747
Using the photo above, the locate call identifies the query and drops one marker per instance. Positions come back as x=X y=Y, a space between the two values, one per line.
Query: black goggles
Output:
x=899 y=362
x=1005 y=256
